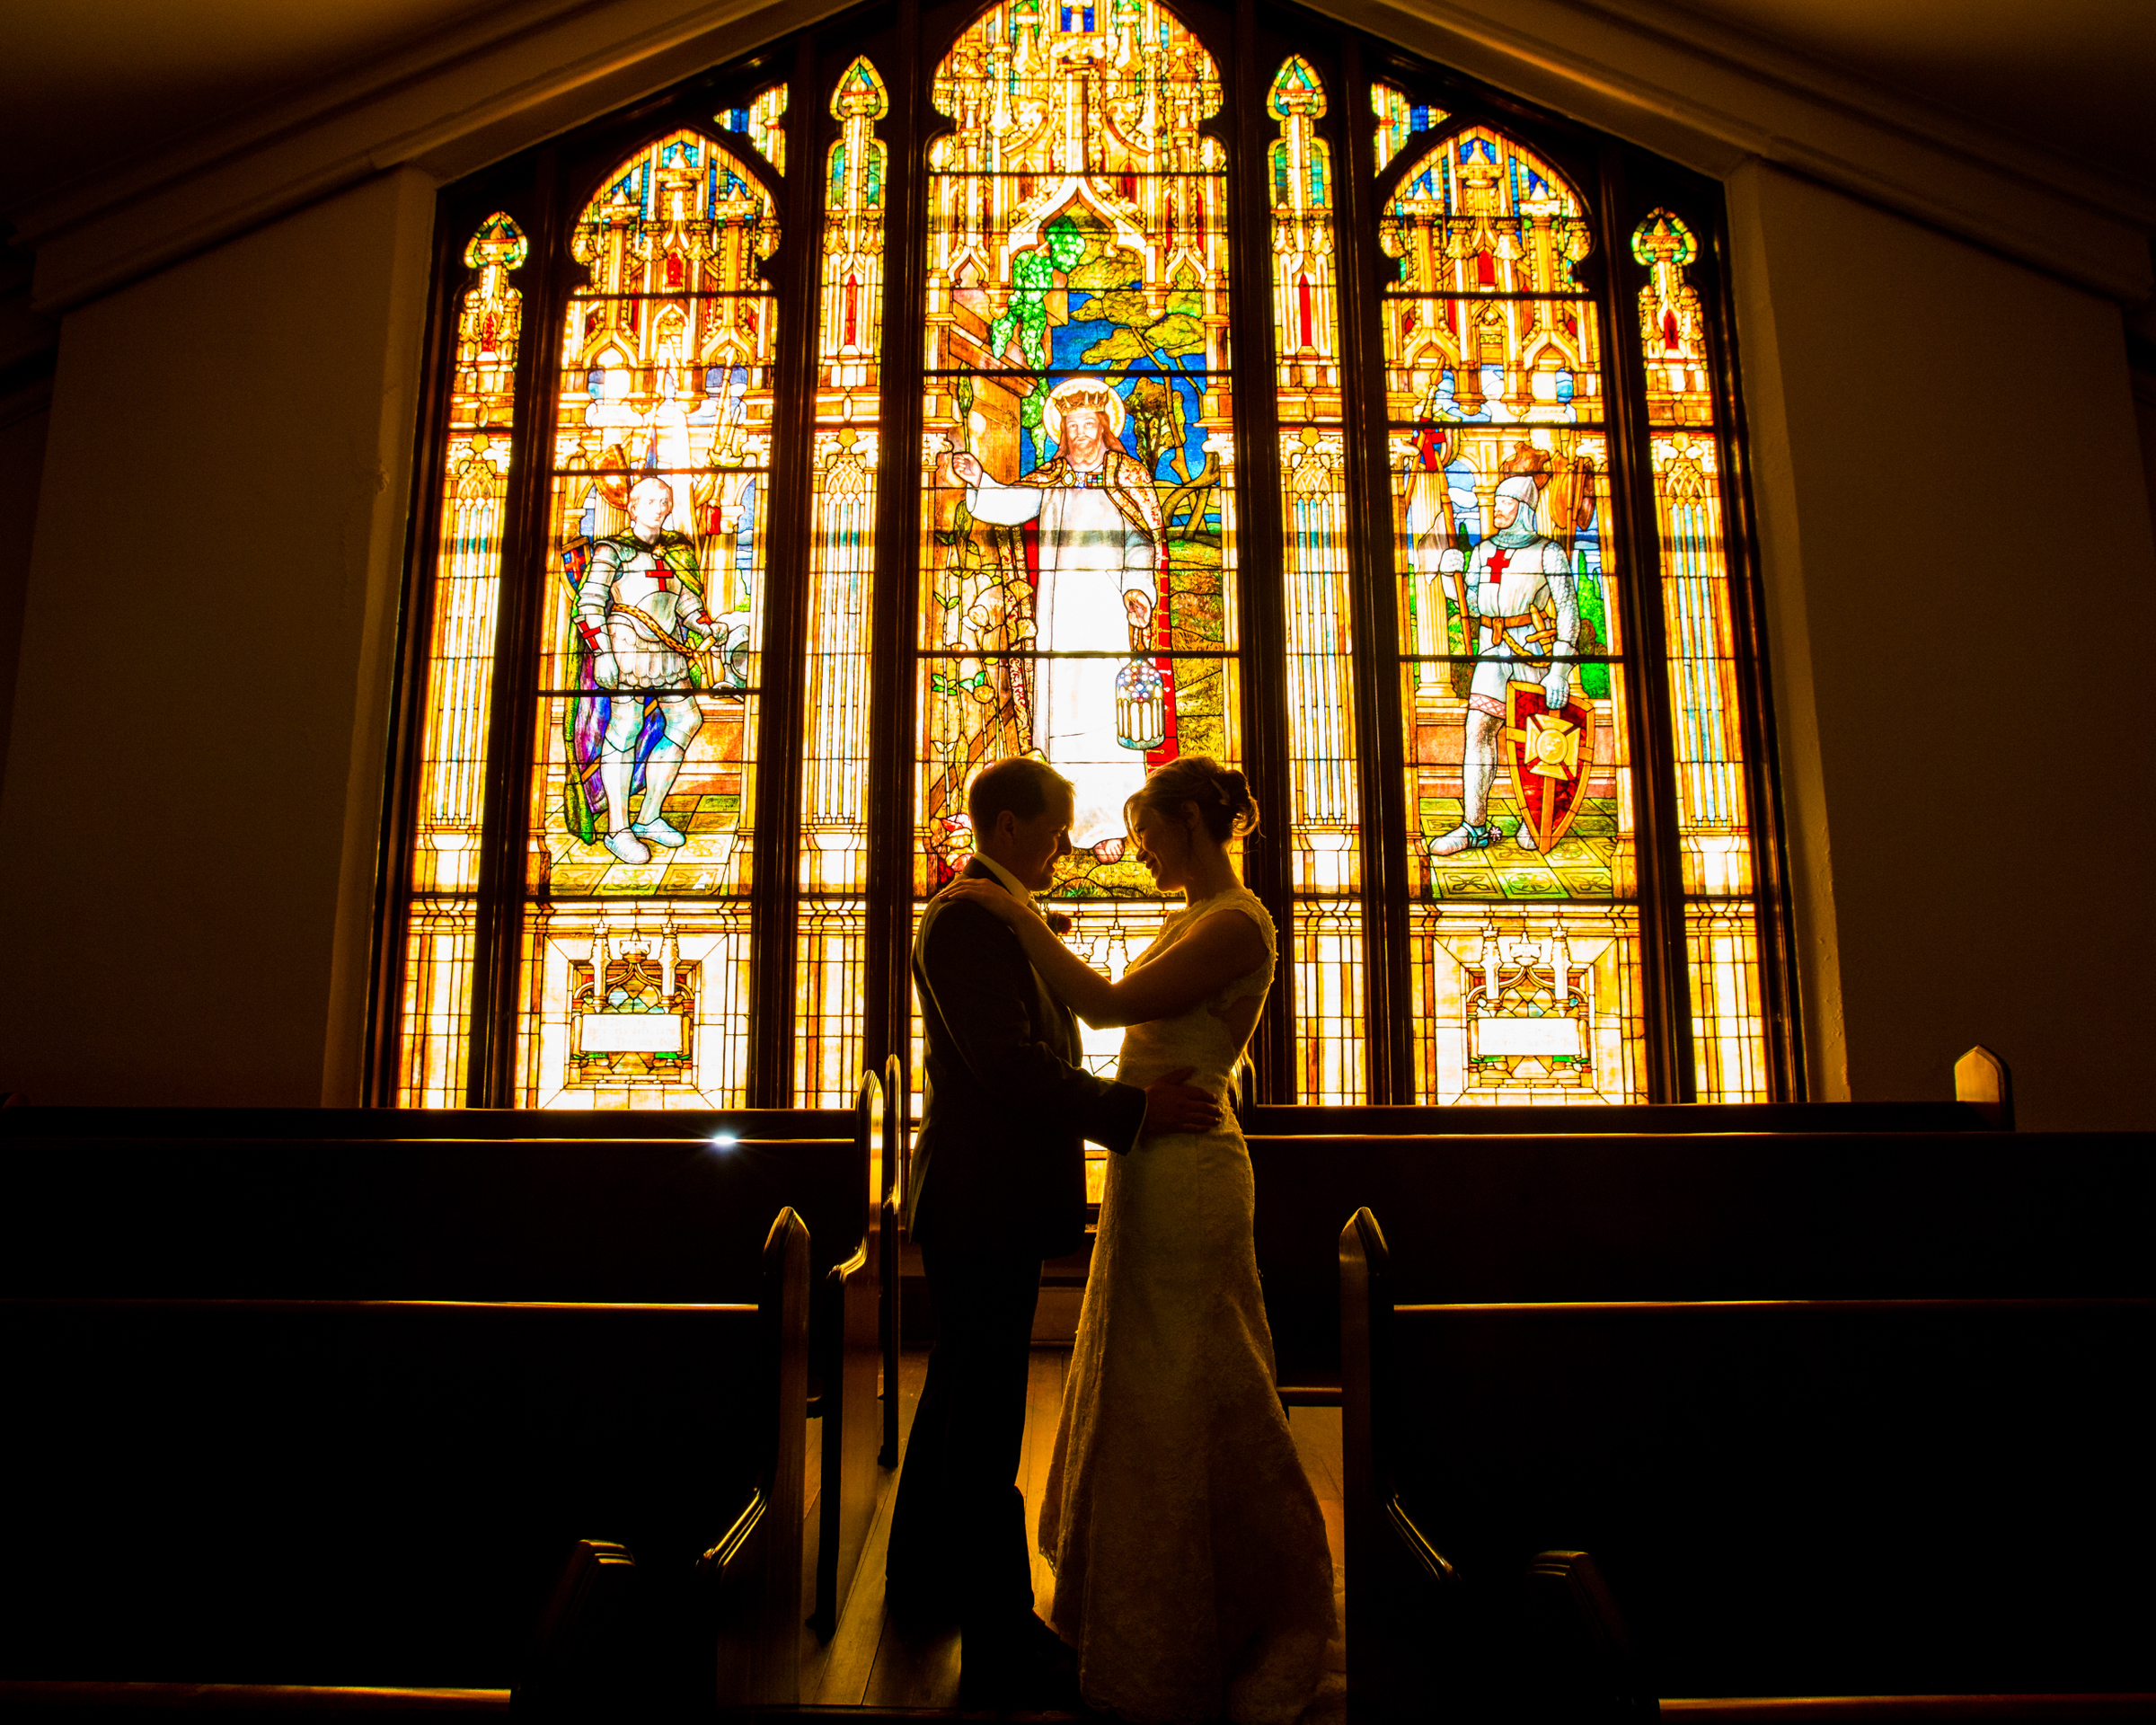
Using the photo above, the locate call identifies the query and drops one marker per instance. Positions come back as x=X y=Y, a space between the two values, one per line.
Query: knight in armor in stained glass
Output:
x=640 y=616
x=1517 y=595
x=1100 y=536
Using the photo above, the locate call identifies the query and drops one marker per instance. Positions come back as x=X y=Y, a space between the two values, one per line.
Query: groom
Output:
x=997 y=1185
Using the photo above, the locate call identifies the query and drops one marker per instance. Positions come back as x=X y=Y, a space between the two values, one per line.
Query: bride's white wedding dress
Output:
x=1191 y=1568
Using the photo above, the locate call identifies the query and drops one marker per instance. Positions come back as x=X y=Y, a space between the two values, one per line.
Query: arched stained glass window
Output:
x=634 y=955
x=1398 y=121
x=1078 y=547
x=1316 y=550
x=440 y=935
x=834 y=832
x=1707 y=694
x=917 y=394
x=1519 y=849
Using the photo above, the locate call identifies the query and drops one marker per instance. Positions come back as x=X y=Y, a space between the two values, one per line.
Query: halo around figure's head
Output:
x=1081 y=392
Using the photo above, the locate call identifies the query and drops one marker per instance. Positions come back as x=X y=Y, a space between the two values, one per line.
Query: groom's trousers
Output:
x=958 y=1540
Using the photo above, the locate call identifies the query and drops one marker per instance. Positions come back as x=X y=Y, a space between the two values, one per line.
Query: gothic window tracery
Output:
x=1355 y=427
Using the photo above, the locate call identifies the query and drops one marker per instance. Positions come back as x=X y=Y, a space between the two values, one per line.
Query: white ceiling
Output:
x=84 y=83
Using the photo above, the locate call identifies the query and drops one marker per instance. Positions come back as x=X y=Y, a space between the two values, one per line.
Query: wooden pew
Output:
x=845 y=1362
x=1841 y=1483
x=1679 y=1217
x=844 y=1315
x=611 y=1222
x=1983 y=1102
x=378 y=1493
x=896 y=1127
x=1360 y=1121
x=30 y=1120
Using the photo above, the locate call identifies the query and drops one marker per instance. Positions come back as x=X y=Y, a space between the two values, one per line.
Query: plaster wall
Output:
x=1956 y=534
x=23 y=417
x=190 y=812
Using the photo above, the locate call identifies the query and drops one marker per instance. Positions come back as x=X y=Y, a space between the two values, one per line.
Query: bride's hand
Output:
x=992 y=899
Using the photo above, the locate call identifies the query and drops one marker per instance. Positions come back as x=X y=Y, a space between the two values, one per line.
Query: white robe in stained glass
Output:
x=1091 y=556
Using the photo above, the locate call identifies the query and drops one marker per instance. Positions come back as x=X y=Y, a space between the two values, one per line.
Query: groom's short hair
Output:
x=1023 y=785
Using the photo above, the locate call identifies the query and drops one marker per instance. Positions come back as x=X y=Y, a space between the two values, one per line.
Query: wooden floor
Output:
x=869 y=1663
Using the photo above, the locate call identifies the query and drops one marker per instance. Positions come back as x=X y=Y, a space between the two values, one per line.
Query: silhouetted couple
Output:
x=1192 y=1577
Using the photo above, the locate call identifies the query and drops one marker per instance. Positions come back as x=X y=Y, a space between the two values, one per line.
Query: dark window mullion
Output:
x=774 y=894
x=455 y=219
x=1381 y=726
x=1666 y=1004
x=1260 y=603
x=895 y=597
x=490 y=1075
x=1780 y=1005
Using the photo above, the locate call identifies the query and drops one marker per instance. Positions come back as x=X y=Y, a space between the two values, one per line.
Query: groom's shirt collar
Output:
x=1011 y=881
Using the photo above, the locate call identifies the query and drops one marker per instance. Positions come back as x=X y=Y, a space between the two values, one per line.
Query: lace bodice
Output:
x=1208 y=1038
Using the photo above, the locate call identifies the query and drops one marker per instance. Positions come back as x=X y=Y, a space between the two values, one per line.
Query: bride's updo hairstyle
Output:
x=1222 y=794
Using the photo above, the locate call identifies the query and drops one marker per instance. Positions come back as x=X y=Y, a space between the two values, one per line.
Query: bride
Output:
x=1191 y=1568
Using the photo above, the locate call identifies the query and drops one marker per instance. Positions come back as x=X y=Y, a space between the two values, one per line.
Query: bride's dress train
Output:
x=1191 y=1568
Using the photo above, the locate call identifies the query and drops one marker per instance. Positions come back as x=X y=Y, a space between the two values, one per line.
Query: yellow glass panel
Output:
x=1728 y=1026
x=831 y=950
x=1482 y=215
x=1327 y=964
x=761 y=123
x=440 y=928
x=1714 y=829
x=1526 y=1003
x=1671 y=334
x=1399 y=119
x=666 y=1025
x=439 y=942
x=1715 y=835
x=1325 y=816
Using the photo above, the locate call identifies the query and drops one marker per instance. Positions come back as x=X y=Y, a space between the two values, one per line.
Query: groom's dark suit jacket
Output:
x=1000 y=1161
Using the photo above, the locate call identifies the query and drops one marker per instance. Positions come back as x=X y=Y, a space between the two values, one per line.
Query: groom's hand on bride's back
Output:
x=1173 y=1106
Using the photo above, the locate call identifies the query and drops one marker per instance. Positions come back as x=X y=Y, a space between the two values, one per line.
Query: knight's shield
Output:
x=1549 y=753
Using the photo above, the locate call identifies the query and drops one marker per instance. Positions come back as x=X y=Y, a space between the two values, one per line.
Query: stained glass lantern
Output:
x=1141 y=706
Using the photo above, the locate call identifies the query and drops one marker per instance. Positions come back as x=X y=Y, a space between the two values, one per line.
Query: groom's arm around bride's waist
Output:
x=990 y=1003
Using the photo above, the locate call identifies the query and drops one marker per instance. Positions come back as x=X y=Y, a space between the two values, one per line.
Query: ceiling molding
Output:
x=1712 y=96
x=447 y=106
x=1707 y=94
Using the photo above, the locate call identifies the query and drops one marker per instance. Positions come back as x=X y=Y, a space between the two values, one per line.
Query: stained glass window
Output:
x=1399 y=119
x=692 y=582
x=761 y=123
x=1523 y=931
x=441 y=929
x=1078 y=556
x=1325 y=804
x=834 y=855
x=1728 y=1035
x=635 y=950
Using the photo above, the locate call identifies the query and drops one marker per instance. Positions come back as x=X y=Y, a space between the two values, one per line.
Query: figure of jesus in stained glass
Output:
x=1100 y=546
x=1517 y=594
x=641 y=629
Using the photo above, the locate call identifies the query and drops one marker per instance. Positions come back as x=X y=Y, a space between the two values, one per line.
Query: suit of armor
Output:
x=639 y=613
x=1519 y=599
